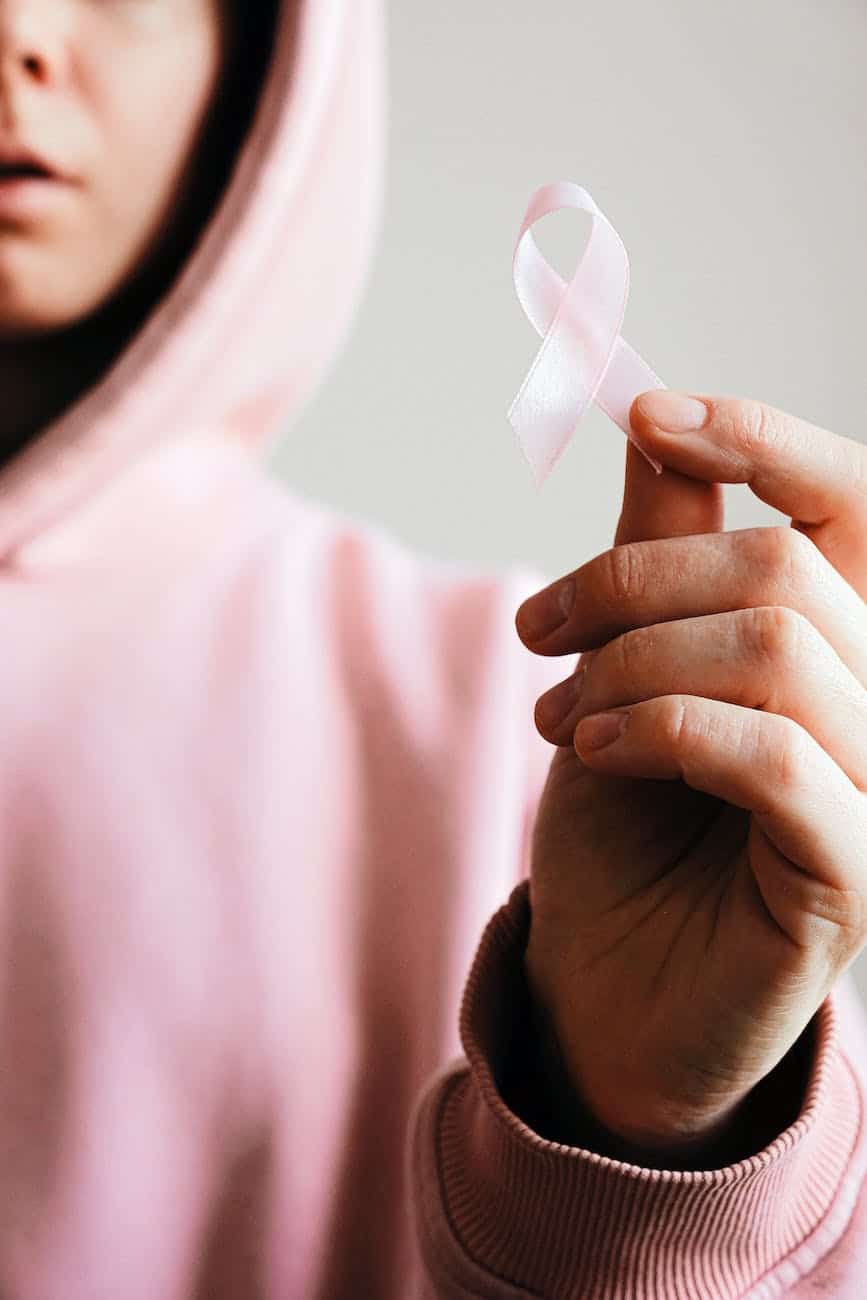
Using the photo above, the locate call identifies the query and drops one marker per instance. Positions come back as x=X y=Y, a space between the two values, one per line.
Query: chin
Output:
x=16 y=326
x=27 y=314
x=48 y=285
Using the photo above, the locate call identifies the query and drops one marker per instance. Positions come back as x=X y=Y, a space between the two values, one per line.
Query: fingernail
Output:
x=541 y=615
x=600 y=729
x=673 y=412
x=555 y=706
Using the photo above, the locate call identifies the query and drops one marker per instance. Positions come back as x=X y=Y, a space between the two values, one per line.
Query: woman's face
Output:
x=114 y=94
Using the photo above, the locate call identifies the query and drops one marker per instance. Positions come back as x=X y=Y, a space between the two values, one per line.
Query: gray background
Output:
x=726 y=143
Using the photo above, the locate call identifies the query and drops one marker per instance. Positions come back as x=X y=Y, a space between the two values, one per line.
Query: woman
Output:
x=267 y=774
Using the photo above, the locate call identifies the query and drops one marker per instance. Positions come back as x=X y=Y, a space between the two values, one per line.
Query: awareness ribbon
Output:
x=583 y=357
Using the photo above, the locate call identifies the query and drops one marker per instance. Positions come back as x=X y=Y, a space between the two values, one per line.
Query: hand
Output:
x=698 y=885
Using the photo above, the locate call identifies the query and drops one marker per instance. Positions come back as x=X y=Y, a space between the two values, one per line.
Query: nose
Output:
x=30 y=41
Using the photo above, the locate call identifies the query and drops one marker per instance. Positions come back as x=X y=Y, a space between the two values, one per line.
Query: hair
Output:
x=249 y=36
x=250 y=29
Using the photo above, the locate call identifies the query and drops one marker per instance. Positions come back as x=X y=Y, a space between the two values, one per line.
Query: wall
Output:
x=727 y=145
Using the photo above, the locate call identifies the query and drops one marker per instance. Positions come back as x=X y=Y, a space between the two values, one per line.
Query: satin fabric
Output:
x=583 y=357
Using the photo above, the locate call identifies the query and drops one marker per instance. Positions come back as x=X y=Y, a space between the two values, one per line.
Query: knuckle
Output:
x=766 y=550
x=828 y=925
x=626 y=574
x=679 y=723
x=855 y=920
x=846 y=910
x=628 y=653
x=784 y=557
x=803 y=556
x=756 y=427
x=784 y=752
x=776 y=635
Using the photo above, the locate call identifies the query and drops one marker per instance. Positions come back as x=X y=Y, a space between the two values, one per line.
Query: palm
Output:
x=663 y=927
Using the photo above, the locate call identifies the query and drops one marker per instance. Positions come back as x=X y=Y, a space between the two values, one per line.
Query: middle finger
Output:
x=643 y=583
x=768 y=658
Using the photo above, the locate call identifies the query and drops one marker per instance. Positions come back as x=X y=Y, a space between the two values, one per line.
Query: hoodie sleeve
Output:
x=502 y=1212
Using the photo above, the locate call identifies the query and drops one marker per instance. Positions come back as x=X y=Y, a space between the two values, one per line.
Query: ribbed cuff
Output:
x=567 y=1222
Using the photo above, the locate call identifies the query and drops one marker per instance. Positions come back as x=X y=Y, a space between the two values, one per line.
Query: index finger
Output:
x=817 y=477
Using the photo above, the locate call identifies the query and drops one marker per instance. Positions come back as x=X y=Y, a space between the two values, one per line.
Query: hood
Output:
x=249 y=328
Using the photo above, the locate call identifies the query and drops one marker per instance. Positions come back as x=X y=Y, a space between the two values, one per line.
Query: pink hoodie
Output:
x=266 y=776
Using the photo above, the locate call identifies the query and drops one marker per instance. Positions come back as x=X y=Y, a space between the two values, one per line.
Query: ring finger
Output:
x=769 y=658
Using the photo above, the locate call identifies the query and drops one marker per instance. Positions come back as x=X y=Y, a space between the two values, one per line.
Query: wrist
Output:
x=548 y=1101
x=661 y=1136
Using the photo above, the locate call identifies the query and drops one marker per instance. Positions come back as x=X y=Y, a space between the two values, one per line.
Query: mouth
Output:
x=31 y=194
x=24 y=171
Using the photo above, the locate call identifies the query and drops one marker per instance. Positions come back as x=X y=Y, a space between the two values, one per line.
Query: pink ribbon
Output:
x=583 y=357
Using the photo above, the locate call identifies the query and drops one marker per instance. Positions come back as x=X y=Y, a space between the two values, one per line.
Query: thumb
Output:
x=668 y=504
x=610 y=820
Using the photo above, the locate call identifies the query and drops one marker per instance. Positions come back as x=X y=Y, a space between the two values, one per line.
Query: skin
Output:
x=89 y=83
x=698 y=886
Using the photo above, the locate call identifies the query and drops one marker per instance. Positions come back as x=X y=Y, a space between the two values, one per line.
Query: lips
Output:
x=22 y=171
x=31 y=190
x=18 y=162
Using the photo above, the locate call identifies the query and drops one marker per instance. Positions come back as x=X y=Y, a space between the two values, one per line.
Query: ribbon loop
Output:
x=583 y=357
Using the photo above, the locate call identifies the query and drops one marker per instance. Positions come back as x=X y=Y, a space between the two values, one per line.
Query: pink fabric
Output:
x=265 y=776
x=584 y=357
x=504 y=1213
